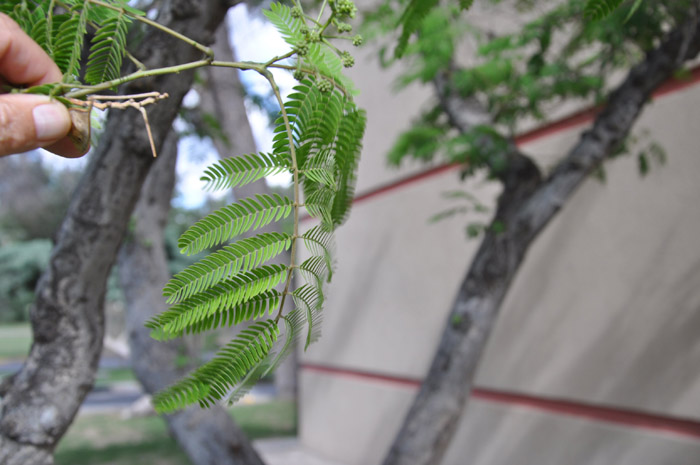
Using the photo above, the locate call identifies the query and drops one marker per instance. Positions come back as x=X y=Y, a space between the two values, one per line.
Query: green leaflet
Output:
x=321 y=244
x=288 y=27
x=599 y=9
x=348 y=147
x=242 y=256
x=245 y=169
x=107 y=50
x=214 y=380
x=254 y=308
x=293 y=326
x=232 y=220
x=222 y=297
x=69 y=40
x=309 y=300
x=62 y=35
x=411 y=20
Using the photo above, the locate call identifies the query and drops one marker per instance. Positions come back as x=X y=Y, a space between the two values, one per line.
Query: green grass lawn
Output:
x=15 y=340
x=108 y=440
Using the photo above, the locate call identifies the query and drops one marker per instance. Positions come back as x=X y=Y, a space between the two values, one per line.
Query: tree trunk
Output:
x=209 y=437
x=525 y=208
x=40 y=401
x=223 y=98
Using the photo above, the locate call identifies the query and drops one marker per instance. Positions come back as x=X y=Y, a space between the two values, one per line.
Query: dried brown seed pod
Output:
x=80 y=129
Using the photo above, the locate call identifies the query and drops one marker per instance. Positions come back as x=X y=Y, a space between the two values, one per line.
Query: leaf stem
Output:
x=276 y=59
x=320 y=13
x=137 y=75
x=295 y=171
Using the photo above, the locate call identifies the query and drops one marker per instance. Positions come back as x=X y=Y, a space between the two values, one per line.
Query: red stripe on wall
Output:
x=575 y=120
x=619 y=416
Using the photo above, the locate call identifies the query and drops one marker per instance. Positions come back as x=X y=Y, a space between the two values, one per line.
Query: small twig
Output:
x=148 y=131
x=122 y=102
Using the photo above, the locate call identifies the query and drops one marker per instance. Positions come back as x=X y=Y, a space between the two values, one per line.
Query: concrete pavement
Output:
x=288 y=451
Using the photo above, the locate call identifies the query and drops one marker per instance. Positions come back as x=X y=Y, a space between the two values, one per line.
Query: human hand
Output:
x=30 y=121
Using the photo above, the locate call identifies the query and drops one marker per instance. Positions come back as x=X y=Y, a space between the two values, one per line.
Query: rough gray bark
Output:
x=223 y=97
x=526 y=206
x=40 y=401
x=209 y=437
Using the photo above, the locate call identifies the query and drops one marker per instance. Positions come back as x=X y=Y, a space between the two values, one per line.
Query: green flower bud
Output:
x=302 y=49
x=324 y=85
x=315 y=36
x=296 y=12
x=344 y=27
x=347 y=59
x=346 y=8
x=357 y=40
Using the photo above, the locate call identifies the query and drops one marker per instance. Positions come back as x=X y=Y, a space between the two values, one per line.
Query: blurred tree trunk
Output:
x=525 y=207
x=222 y=98
x=40 y=401
x=209 y=437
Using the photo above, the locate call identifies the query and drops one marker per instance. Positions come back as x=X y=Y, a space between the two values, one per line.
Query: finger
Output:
x=32 y=121
x=22 y=61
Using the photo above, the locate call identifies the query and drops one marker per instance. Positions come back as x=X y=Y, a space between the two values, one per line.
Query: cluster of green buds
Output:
x=343 y=8
x=313 y=32
x=347 y=59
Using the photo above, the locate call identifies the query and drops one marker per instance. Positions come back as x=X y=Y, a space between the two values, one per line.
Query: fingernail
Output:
x=51 y=121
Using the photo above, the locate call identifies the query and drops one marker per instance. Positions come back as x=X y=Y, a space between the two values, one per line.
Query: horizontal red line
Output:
x=577 y=119
x=619 y=416
x=369 y=375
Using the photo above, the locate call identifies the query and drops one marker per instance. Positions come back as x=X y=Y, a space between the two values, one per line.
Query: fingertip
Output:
x=28 y=122
x=51 y=122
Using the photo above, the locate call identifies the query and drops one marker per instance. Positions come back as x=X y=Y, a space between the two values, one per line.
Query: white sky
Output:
x=254 y=39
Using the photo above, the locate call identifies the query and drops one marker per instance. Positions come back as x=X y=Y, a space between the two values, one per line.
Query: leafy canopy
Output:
x=510 y=80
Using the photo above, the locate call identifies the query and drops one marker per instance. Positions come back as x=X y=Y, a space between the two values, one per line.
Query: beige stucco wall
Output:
x=605 y=310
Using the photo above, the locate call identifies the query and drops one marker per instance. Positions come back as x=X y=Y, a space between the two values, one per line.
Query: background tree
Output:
x=481 y=103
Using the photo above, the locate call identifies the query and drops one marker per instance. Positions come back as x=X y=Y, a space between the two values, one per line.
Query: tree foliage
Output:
x=519 y=77
x=317 y=140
